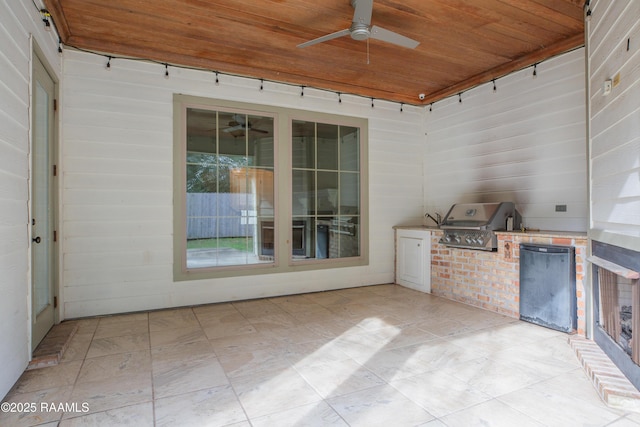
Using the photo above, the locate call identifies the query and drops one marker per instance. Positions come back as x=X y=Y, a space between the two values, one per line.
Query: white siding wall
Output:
x=615 y=122
x=524 y=143
x=18 y=20
x=117 y=197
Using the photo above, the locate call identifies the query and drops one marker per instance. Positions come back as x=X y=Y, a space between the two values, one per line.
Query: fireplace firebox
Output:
x=616 y=292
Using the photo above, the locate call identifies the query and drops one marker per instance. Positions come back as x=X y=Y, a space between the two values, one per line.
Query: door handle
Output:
x=36 y=239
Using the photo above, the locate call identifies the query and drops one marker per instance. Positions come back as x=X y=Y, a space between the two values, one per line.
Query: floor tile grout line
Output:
x=152 y=382
x=75 y=383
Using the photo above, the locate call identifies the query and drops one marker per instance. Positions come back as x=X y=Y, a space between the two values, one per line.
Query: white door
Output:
x=42 y=219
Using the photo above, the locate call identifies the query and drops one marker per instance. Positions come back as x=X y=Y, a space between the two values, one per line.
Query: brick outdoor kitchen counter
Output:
x=491 y=280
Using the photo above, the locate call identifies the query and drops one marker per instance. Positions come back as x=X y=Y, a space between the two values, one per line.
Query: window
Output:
x=259 y=189
x=229 y=187
x=325 y=190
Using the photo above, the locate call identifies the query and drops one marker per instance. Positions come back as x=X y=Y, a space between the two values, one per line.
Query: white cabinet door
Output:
x=413 y=258
x=410 y=256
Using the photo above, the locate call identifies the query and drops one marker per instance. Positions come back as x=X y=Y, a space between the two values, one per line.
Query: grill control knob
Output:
x=480 y=241
x=457 y=239
x=447 y=237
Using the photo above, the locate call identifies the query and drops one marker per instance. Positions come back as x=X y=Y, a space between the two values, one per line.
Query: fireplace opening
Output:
x=616 y=292
x=618 y=303
x=627 y=330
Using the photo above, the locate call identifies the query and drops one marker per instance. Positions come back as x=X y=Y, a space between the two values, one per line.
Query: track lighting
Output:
x=166 y=71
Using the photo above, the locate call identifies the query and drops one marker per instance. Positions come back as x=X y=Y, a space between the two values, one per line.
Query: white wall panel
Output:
x=525 y=142
x=118 y=178
x=18 y=22
x=615 y=122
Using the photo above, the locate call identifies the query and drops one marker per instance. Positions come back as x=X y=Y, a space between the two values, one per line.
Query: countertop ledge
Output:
x=416 y=227
x=538 y=233
x=546 y=233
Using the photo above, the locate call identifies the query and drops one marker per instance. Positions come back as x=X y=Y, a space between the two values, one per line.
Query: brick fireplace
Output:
x=616 y=296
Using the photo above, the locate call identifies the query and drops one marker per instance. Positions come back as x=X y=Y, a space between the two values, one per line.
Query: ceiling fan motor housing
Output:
x=360 y=31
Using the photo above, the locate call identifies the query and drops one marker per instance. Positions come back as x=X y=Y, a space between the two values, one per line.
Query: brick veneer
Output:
x=491 y=280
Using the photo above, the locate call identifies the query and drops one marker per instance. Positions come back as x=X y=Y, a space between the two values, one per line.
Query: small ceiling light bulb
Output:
x=166 y=71
x=108 y=67
x=46 y=19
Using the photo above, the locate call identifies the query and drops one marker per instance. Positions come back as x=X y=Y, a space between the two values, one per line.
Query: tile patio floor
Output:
x=372 y=356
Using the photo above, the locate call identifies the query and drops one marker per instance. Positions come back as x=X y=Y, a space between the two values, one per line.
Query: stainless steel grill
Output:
x=472 y=225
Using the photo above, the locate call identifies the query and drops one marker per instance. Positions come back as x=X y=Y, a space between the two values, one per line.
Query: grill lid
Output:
x=472 y=225
x=478 y=216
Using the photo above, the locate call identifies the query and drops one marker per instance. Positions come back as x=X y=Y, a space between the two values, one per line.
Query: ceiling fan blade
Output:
x=325 y=38
x=234 y=128
x=240 y=118
x=380 y=33
x=363 y=11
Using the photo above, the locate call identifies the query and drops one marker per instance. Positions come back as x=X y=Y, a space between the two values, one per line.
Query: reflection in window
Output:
x=230 y=188
x=325 y=190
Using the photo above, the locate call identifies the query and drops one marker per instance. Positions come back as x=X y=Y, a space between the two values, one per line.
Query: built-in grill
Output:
x=472 y=225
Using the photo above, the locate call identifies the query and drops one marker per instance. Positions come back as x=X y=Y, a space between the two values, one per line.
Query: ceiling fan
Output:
x=361 y=29
x=240 y=124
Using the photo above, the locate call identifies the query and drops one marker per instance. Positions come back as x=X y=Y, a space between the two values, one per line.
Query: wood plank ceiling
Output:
x=462 y=43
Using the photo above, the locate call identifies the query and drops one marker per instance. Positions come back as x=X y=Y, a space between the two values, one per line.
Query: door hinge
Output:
x=55 y=302
x=55 y=105
x=55 y=170
x=55 y=235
